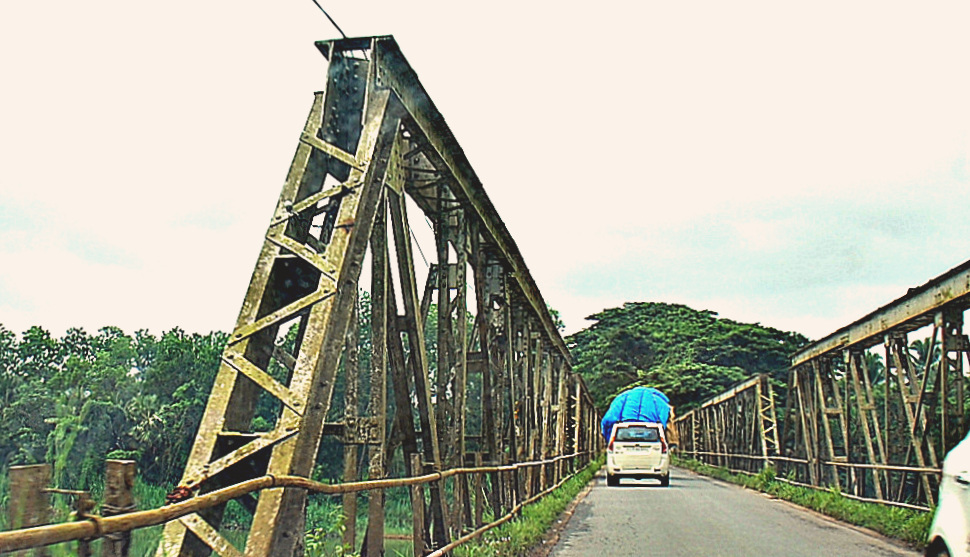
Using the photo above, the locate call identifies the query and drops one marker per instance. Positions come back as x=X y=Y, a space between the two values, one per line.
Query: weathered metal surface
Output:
x=866 y=413
x=351 y=369
x=377 y=401
x=871 y=424
x=394 y=71
x=735 y=429
x=908 y=313
x=898 y=358
x=920 y=412
x=372 y=145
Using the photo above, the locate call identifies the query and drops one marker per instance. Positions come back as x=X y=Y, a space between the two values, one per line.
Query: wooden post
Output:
x=83 y=505
x=119 y=478
x=29 y=504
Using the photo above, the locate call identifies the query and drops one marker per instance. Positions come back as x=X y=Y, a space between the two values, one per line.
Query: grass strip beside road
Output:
x=910 y=526
x=517 y=537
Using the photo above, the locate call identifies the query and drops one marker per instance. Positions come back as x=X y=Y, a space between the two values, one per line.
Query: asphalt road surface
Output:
x=700 y=516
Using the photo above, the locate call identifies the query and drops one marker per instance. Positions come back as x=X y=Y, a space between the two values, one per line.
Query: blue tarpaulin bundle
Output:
x=640 y=404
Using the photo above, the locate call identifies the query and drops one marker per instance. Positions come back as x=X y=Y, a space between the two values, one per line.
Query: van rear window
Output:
x=638 y=433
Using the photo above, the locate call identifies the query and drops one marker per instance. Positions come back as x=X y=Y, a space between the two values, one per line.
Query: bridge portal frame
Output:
x=373 y=144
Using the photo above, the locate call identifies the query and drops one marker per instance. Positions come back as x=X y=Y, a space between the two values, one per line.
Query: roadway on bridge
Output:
x=700 y=516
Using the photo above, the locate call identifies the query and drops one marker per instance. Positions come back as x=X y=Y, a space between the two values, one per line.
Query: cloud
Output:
x=804 y=264
x=777 y=163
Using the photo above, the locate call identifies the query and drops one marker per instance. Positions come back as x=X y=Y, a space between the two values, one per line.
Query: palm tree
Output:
x=874 y=368
x=918 y=350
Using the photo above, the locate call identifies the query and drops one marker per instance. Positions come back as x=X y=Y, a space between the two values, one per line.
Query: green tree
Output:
x=177 y=373
x=690 y=355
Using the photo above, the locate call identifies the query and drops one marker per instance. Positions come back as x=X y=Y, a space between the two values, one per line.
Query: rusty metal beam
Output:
x=394 y=71
x=910 y=312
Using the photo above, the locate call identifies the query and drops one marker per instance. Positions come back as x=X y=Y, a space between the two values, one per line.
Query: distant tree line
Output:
x=72 y=401
x=688 y=354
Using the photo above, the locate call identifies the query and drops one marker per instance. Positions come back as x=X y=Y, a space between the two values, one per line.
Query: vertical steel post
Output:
x=377 y=405
x=306 y=276
x=898 y=353
x=375 y=117
x=418 y=359
x=867 y=409
x=351 y=443
x=417 y=509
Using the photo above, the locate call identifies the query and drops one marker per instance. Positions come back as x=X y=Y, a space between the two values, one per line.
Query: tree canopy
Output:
x=73 y=400
x=688 y=354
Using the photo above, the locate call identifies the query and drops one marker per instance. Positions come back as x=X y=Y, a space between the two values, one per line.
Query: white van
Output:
x=637 y=450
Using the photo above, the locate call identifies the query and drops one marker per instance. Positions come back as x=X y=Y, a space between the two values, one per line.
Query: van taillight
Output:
x=610 y=448
x=663 y=446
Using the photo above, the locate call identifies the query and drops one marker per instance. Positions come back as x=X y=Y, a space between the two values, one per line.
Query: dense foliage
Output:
x=690 y=355
x=71 y=401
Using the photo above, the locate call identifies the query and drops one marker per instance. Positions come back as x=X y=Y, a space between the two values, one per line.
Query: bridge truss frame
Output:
x=736 y=429
x=883 y=442
x=373 y=144
x=875 y=434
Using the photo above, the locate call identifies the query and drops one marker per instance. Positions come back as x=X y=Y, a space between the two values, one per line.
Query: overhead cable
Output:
x=344 y=35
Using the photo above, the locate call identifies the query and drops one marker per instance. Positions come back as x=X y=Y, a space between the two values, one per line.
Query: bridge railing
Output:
x=114 y=528
x=738 y=430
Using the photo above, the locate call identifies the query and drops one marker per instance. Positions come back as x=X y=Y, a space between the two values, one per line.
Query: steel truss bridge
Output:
x=875 y=428
x=491 y=418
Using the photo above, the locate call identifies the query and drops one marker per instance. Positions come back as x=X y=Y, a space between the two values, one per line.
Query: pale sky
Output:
x=796 y=165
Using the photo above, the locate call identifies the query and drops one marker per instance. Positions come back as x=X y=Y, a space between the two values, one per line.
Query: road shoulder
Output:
x=549 y=541
x=811 y=512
